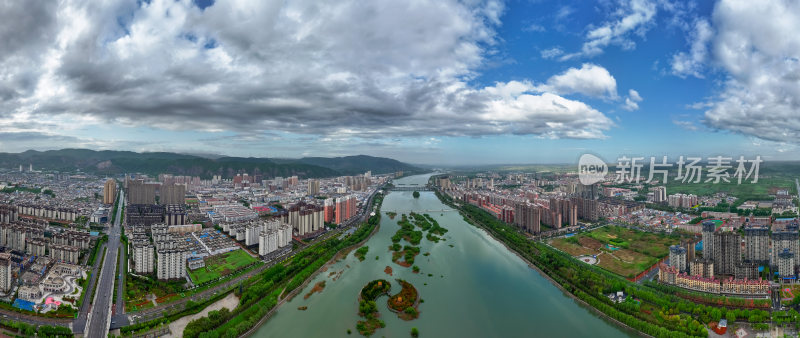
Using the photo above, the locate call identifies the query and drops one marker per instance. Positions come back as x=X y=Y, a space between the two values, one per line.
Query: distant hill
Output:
x=111 y=162
x=351 y=165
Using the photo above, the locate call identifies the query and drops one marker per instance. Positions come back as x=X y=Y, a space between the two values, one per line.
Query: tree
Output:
x=414 y=332
x=731 y=317
x=416 y=194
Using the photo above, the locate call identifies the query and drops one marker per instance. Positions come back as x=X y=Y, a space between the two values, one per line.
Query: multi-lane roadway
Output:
x=100 y=313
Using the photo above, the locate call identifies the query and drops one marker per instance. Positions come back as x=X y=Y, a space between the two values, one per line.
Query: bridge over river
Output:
x=411 y=188
x=418 y=211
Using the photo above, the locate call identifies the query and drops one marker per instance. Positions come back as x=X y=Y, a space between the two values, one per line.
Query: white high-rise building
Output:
x=5 y=273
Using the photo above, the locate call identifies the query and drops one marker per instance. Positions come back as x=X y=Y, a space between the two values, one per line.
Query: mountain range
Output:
x=110 y=162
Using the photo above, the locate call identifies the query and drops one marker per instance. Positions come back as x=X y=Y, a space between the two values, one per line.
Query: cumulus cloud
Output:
x=632 y=101
x=297 y=66
x=632 y=17
x=590 y=80
x=756 y=45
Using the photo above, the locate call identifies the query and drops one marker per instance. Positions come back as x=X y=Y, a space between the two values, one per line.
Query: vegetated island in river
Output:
x=367 y=307
x=391 y=214
x=361 y=253
x=407 y=253
x=317 y=288
x=406 y=302
x=408 y=233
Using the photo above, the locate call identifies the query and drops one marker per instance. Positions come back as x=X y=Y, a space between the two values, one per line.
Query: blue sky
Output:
x=434 y=82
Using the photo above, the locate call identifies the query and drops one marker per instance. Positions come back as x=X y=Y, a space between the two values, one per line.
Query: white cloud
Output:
x=520 y=111
x=552 y=53
x=691 y=63
x=632 y=101
x=297 y=66
x=633 y=17
x=756 y=45
x=688 y=125
x=634 y=95
x=590 y=80
x=534 y=28
x=630 y=105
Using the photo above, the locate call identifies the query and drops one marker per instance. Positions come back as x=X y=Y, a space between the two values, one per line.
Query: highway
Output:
x=100 y=314
x=119 y=318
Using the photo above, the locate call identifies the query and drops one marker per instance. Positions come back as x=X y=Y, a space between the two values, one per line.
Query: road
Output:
x=79 y=325
x=119 y=318
x=100 y=315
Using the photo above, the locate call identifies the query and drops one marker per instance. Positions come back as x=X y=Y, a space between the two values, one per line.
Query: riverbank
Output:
x=176 y=328
x=336 y=257
x=581 y=302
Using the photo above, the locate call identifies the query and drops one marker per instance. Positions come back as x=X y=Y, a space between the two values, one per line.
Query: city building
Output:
x=588 y=209
x=109 y=191
x=528 y=217
x=659 y=194
x=708 y=239
x=702 y=267
x=345 y=208
x=682 y=200
x=313 y=187
x=172 y=194
x=144 y=214
x=171 y=260
x=677 y=257
x=5 y=273
x=786 y=264
x=142 y=253
x=305 y=218
x=727 y=252
x=756 y=243
x=786 y=240
x=139 y=192
x=329 y=210
x=176 y=214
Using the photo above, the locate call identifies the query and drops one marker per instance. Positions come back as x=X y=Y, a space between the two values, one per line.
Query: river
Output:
x=478 y=288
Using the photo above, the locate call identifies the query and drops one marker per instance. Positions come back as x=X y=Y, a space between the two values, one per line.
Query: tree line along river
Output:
x=471 y=286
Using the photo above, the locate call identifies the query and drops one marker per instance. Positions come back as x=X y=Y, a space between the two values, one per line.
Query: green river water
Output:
x=485 y=291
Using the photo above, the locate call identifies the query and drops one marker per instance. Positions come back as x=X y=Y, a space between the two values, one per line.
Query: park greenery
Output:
x=29 y=330
x=223 y=265
x=656 y=311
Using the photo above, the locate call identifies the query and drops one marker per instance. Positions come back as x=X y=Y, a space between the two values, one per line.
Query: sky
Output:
x=423 y=81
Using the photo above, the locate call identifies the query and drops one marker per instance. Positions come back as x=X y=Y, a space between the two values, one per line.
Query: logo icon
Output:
x=591 y=169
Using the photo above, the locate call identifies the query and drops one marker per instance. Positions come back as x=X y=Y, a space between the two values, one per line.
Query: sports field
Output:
x=620 y=250
x=221 y=265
